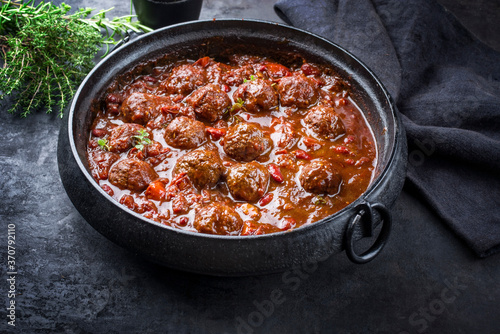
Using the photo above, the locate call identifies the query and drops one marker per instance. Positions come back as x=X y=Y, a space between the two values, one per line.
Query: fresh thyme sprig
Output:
x=46 y=52
x=141 y=139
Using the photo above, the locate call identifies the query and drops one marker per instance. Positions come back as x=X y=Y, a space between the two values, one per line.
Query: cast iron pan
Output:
x=244 y=255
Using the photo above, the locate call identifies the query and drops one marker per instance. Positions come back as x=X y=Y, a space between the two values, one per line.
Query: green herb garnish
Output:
x=319 y=200
x=104 y=144
x=141 y=139
x=237 y=119
x=239 y=104
x=252 y=78
x=46 y=52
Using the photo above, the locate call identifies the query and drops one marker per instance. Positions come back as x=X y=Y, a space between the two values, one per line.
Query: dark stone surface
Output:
x=70 y=279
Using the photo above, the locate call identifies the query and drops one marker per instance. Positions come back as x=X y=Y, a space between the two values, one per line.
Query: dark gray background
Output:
x=72 y=280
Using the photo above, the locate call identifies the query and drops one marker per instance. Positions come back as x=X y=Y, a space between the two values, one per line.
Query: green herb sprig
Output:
x=46 y=52
x=319 y=200
x=252 y=78
x=141 y=139
x=239 y=104
x=104 y=144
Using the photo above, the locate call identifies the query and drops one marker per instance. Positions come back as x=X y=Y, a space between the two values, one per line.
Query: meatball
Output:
x=236 y=76
x=184 y=79
x=203 y=167
x=324 y=123
x=248 y=181
x=217 y=218
x=257 y=95
x=298 y=91
x=245 y=142
x=121 y=137
x=184 y=132
x=320 y=177
x=141 y=107
x=209 y=102
x=132 y=174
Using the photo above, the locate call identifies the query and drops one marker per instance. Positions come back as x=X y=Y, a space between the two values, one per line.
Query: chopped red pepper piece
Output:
x=216 y=133
x=180 y=204
x=342 y=150
x=300 y=154
x=129 y=202
x=178 y=178
x=266 y=199
x=362 y=161
x=171 y=109
x=312 y=143
x=288 y=223
x=203 y=62
x=156 y=190
x=309 y=69
x=282 y=151
x=308 y=141
x=275 y=70
x=108 y=189
x=135 y=153
x=349 y=139
x=275 y=172
x=251 y=228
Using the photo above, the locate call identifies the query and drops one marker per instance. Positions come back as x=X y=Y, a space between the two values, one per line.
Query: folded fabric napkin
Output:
x=445 y=83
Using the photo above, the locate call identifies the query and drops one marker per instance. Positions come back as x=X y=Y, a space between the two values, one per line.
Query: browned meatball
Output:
x=132 y=174
x=184 y=132
x=245 y=142
x=320 y=177
x=324 y=123
x=248 y=181
x=297 y=90
x=257 y=95
x=141 y=107
x=121 y=137
x=217 y=218
x=203 y=167
x=209 y=102
x=236 y=76
x=184 y=79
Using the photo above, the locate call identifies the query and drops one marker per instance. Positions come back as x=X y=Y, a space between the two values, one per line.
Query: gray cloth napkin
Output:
x=445 y=83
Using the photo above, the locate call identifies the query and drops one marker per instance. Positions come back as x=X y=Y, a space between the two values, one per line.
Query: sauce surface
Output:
x=241 y=147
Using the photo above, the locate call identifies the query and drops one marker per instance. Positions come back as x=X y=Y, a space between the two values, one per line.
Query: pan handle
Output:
x=366 y=210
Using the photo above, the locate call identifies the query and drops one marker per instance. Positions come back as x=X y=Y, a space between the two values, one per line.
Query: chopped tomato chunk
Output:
x=156 y=190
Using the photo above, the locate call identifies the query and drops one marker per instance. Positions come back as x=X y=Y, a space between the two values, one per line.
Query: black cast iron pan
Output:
x=245 y=255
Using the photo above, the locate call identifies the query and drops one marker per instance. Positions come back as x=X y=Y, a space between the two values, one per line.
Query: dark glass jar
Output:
x=160 y=13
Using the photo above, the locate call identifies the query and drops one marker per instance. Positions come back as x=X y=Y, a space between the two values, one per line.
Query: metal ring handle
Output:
x=366 y=209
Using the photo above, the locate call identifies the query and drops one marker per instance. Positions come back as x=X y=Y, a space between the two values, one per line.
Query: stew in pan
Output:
x=241 y=146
